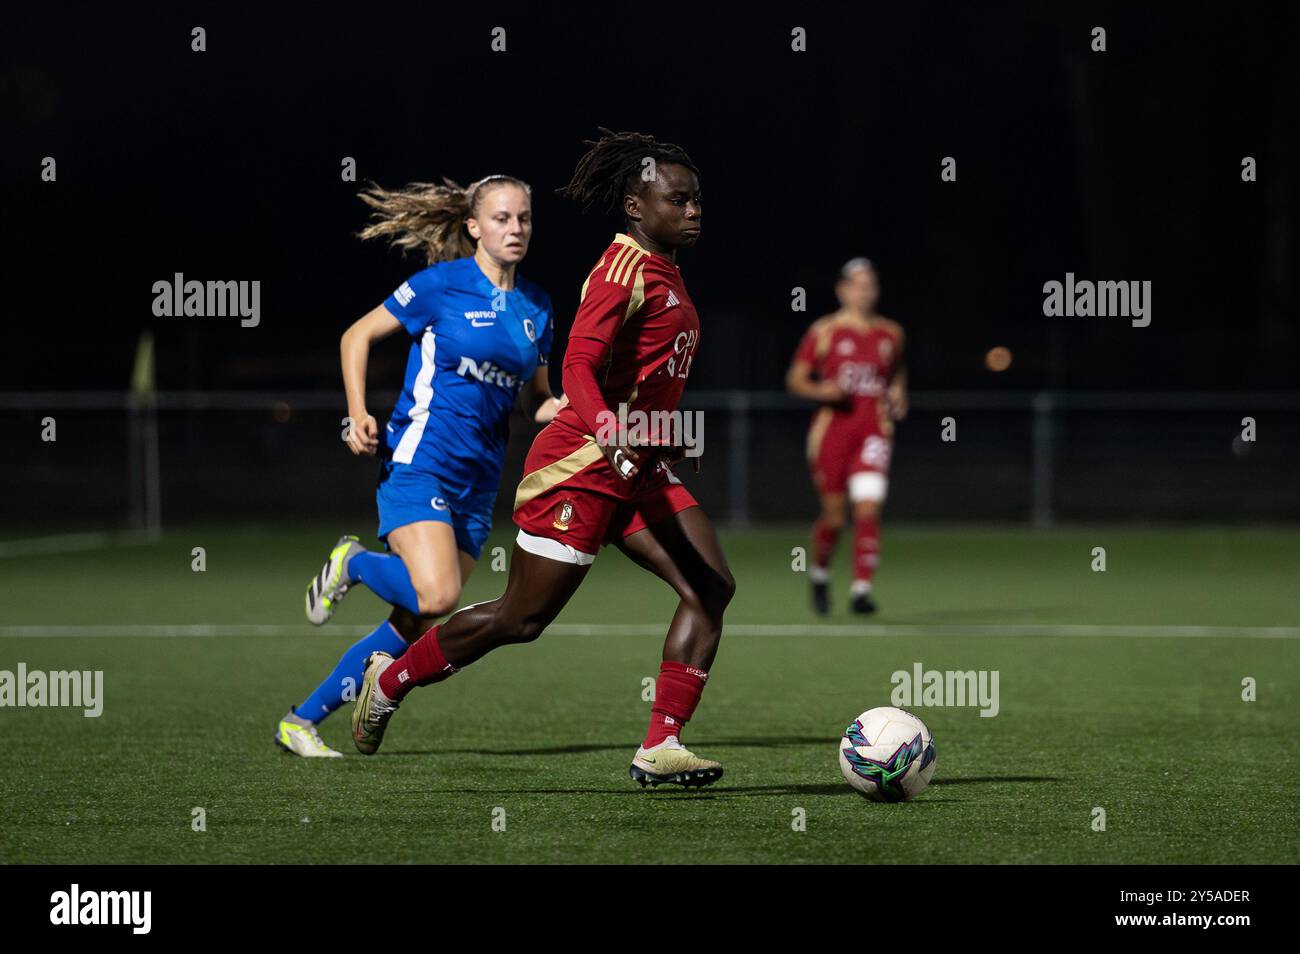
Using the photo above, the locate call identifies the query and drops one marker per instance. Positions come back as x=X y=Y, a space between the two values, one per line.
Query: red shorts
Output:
x=571 y=494
x=840 y=448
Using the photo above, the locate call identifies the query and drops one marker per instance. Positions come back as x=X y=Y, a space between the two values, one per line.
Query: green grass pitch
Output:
x=1134 y=716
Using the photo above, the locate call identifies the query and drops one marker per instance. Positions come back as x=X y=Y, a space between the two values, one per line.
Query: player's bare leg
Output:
x=435 y=565
x=410 y=626
x=825 y=533
x=536 y=590
x=684 y=552
x=297 y=731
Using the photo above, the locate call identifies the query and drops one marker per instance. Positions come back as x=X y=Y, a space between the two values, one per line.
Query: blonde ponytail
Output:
x=423 y=217
x=429 y=218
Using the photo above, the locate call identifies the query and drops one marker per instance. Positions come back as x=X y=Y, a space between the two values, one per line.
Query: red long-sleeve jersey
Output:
x=633 y=338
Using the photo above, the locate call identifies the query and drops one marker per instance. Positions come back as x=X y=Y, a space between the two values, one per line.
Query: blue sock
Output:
x=387 y=578
x=351 y=666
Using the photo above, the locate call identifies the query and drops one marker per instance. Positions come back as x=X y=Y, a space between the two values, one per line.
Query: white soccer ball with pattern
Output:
x=887 y=754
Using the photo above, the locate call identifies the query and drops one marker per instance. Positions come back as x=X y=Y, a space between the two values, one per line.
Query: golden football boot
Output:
x=372 y=710
x=670 y=762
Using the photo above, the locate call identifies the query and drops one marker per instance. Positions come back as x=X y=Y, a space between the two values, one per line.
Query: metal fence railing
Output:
x=180 y=456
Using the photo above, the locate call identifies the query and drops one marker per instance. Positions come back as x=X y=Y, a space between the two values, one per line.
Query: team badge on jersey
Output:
x=846 y=346
x=563 y=515
x=530 y=330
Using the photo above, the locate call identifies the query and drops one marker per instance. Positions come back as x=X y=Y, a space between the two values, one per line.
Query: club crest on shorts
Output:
x=563 y=514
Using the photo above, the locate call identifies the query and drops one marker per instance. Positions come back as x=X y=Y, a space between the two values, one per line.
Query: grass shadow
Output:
x=766 y=742
x=992 y=779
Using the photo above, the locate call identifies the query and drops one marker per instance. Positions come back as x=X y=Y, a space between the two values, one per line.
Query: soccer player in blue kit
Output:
x=480 y=338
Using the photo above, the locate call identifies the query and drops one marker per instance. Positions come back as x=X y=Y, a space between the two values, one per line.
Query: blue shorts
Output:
x=407 y=495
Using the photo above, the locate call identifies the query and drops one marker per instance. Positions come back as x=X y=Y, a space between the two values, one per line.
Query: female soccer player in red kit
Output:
x=632 y=343
x=851 y=362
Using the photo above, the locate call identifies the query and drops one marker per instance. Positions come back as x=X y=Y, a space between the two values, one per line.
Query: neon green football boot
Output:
x=328 y=587
x=298 y=736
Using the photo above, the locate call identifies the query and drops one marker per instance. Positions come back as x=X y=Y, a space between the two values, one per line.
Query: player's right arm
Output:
x=607 y=302
x=410 y=307
x=354 y=348
x=801 y=379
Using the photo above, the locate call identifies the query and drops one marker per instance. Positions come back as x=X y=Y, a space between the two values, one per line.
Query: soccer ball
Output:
x=887 y=754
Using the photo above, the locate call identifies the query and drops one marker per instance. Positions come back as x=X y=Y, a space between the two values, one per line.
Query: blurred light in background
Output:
x=998 y=359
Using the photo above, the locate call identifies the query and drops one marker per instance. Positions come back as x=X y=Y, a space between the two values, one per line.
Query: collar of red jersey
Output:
x=622 y=238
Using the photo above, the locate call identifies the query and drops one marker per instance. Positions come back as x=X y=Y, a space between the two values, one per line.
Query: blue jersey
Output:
x=474 y=348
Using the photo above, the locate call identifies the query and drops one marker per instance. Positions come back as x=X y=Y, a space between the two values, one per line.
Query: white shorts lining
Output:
x=868 y=485
x=553 y=549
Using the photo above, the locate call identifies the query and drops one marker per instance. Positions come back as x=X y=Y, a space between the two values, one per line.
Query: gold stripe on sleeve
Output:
x=625 y=270
x=622 y=255
x=637 y=298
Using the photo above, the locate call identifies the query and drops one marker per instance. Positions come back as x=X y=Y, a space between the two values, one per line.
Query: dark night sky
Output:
x=225 y=165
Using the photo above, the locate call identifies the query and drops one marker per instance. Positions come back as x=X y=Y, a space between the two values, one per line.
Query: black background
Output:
x=225 y=165
x=944 y=901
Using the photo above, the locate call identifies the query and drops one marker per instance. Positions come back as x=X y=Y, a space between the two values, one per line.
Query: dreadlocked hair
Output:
x=613 y=166
x=429 y=218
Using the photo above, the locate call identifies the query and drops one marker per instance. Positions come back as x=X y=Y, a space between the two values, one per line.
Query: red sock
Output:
x=677 y=693
x=866 y=549
x=824 y=537
x=421 y=665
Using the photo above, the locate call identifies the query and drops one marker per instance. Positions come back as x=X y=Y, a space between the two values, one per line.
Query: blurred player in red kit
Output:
x=585 y=485
x=851 y=363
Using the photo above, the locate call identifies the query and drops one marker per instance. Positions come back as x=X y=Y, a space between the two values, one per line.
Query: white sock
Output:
x=668 y=743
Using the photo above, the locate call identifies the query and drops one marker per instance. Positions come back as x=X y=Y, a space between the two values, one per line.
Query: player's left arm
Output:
x=896 y=393
x=539 y=403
